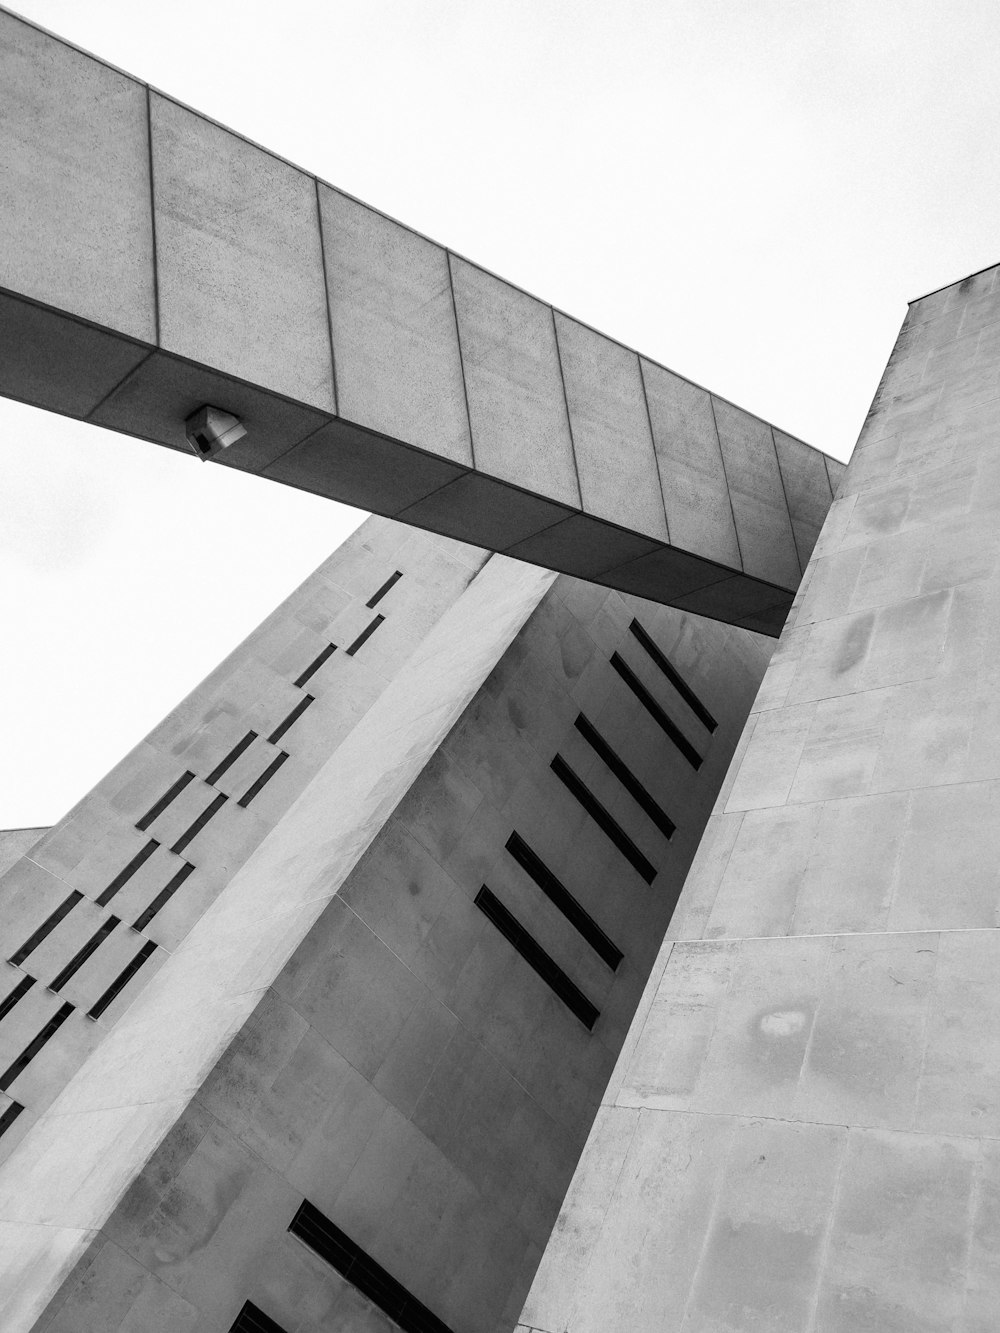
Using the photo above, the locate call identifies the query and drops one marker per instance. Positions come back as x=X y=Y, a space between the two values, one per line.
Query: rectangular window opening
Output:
x=34 y=1046
x=625 y=776
x=46 y=928
x=263 y=780
x=603 y=819
x=316 y=663
x=364 y=636
x=560 y=896
x=390 y=582
x=125 y=875
x=361 y=1270
x=171 y=795
x=669 y=727
x=18 y=993
x=121 y=980
x=291 y=719
x=674 y=676
x=163 y=897
x=536 y=957
x=231 y=757
x=253 y=1320
x=8 y=1117
x=79 y=958
x=208 y=813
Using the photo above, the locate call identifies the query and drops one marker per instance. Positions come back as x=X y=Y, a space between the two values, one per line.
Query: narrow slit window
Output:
x=674 y=676
x=34 y=1046
x=316 y=663
x=171 y=795
x=364 y=636
x=291 y=719
x=536 y=957
x=163 y=897
x=560 y=896
x=8 y=1116
x=361 y=1270
x=390 y=582
x=625 y=776
x=121 y=980
x=125 y=875
x=81 y=956
x=18 y=993
x=603 y=819
x=263 y=780
x=253 y=1320
x=231 y=757
x=656 y=712
x=208 y=813
x=46 y=928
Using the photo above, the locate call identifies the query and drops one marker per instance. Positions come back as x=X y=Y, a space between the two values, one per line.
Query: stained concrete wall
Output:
x=405 y=1070
x=801 y=1133
x=155 y=261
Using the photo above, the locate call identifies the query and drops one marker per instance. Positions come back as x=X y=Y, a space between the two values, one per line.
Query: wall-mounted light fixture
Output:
x=210 y=430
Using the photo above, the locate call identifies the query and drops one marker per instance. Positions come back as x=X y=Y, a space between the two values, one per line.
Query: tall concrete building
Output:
x=507 y=933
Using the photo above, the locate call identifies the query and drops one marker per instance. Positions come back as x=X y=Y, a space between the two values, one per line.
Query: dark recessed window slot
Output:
x=604 y=821
x=368 y=1277
x=18 y=993
x=34 y=1046
x=561 y=897
x=163 y=897
x=674 y=676
x=252 y=1320
x=164 y=801
x=315 y=665
x=79 y=958
x=536 y=957
x=625 y=776
x=199 y=823
x=125 y=875
x=231 y=757
x=122 y=980
x=263 y=780
x=656 y=712
x=390 y=582
x=364 y=636
x=291 y=719
x=46 y=928
x=9 y=1116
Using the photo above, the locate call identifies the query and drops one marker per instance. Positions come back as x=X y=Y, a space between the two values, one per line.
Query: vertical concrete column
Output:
x=803 y=1131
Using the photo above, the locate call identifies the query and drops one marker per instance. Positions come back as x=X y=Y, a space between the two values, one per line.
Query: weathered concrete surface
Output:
x=801 y=1132
x=15 y=843
x=356 y=1031
x=155 y=261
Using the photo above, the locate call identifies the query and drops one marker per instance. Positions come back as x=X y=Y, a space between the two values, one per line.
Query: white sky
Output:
x=747 y=191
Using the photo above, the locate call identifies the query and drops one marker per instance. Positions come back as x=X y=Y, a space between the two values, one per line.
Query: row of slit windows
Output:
x=17 y=1066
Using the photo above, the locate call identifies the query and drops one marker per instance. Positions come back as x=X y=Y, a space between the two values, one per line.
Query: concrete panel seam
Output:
x=925 y=1029
x=652 y=443
x=569 y=419
x=827 y=1241
x=829 y=479
x=326 y=301
x=784 y=492
x=152 y=218
x=729 y=489
x=123 y=381
x=713 y=1212
x=461 y=362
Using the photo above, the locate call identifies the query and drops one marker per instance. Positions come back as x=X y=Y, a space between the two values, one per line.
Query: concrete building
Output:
x=318 y=1005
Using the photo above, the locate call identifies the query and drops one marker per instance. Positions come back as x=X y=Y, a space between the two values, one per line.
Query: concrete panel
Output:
x=611 y=432
x=763 y=527
x=239 y=258
x=74 y=183
x=693 y=477
x=477 y=509
x=807 y=490
x=582 y=545
x=520 y=426
x=398 y=365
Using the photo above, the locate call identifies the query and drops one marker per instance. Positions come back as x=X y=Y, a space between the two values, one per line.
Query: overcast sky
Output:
x=746 y=190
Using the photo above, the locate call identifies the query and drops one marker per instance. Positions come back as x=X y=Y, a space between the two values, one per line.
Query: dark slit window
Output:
x=604 y=820
x=625 y=776
x=560 y=896
x=669 y=727
x=674 y=676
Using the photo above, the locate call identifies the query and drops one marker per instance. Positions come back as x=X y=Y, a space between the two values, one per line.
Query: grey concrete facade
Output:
x=155 y=261
x=802 y=1132
x=325 y=1013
